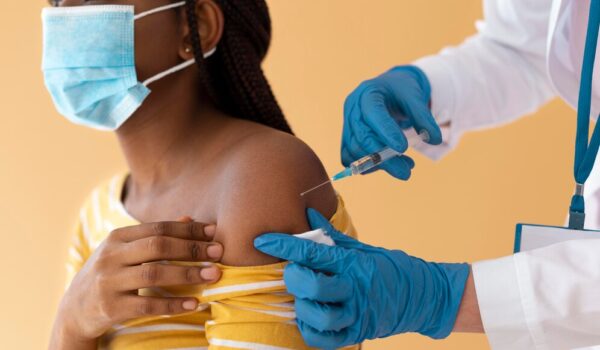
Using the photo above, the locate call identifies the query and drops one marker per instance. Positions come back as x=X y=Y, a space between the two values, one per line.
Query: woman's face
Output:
x=160 y=38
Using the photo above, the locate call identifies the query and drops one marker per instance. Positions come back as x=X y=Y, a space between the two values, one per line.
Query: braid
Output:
x=190 y=10
x=233 y=76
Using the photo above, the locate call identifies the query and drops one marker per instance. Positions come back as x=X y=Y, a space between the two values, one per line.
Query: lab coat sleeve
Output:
x=495 y=76
x=542 y=299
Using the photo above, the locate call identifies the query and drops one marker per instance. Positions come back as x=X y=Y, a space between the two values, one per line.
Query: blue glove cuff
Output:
x=453 y=278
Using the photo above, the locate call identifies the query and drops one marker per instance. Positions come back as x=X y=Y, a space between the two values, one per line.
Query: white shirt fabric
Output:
x=525 y=53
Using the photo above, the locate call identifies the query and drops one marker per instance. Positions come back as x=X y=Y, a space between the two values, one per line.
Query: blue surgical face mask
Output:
x=89 y=63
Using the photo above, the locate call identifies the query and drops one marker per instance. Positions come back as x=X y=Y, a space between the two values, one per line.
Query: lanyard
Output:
x=585 y=154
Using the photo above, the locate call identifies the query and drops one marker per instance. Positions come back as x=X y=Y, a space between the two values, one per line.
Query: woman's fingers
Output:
x=185 y=230
x=162 y=275
x=105 y=290
x=132 y=306
x=157 y=248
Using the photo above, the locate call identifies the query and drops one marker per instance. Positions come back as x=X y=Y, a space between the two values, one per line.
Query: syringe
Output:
x=369 y=162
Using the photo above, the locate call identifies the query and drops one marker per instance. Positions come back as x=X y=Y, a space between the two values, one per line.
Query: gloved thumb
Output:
x=318 y=221
x=304 y=252
x=425 y=123
x=418 y=110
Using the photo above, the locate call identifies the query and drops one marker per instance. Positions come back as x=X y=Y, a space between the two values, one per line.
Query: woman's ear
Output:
x=209 y=26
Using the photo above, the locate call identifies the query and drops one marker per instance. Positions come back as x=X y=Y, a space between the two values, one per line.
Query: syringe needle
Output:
x=368 y=162
x=314 y=188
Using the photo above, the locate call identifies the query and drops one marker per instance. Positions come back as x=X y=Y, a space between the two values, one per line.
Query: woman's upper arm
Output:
x=263 y=187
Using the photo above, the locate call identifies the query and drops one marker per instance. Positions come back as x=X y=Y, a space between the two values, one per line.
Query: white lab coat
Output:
x=525 y=53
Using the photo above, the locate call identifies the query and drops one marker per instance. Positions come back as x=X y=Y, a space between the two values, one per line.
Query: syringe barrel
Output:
x=388 y=153
x=364 y=164
x=369 y=162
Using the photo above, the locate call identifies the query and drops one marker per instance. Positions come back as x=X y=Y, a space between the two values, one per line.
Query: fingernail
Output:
x=215 y=251
x=210 y=230
x=185 y=219
x=210 y=273
x=190 y=304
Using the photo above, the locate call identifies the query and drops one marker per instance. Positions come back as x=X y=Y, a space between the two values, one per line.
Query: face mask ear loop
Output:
x=169 y=72
x=158 y=9
x=177 y=68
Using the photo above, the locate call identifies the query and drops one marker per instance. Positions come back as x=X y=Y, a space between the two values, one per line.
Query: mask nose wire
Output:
x=158 y=9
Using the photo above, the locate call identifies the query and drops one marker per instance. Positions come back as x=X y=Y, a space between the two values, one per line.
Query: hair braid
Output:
x=234 y=77
x=197 y=45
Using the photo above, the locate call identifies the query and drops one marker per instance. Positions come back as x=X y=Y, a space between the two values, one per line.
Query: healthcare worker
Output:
x=525 y=53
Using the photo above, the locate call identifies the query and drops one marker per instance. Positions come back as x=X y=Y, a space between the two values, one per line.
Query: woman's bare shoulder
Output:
x=260 y=192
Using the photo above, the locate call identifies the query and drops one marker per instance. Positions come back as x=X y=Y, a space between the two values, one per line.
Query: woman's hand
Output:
x=105 y=291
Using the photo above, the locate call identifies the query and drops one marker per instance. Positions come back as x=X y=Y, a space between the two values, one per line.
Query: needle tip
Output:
x=314 y=188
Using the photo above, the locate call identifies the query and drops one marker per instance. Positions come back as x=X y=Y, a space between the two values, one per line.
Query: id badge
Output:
x=529 y=237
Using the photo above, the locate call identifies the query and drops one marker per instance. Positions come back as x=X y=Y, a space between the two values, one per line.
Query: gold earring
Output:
x=188 y=50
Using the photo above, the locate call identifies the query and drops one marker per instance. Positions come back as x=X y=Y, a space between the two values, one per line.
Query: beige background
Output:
x=463 y=208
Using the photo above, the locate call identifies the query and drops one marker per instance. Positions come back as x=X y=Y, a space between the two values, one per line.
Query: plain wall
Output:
x=463 y=208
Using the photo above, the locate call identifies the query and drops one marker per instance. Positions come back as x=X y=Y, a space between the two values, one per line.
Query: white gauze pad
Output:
x=317 y=236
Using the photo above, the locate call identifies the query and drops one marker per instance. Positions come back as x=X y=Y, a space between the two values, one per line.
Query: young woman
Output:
x=209 y=143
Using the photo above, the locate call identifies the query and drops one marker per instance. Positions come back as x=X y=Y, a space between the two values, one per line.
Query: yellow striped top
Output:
x=247 y=309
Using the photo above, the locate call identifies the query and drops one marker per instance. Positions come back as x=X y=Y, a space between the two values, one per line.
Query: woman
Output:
x=209 y=142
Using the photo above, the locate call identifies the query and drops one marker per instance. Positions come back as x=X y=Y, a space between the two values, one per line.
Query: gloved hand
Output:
x=377 y=111
x=352 y=291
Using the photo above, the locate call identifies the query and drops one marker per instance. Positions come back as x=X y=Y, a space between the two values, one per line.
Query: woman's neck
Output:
x=171 y=127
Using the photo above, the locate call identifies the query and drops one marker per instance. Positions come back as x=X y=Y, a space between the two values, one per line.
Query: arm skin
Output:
x=260 y=193
x=64 y=340
x=469 y=317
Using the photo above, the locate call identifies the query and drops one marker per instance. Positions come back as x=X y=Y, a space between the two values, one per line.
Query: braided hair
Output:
x=233 y=76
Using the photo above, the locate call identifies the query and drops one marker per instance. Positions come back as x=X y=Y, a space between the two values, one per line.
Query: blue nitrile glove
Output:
x=377 y=111
x=352 y=291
